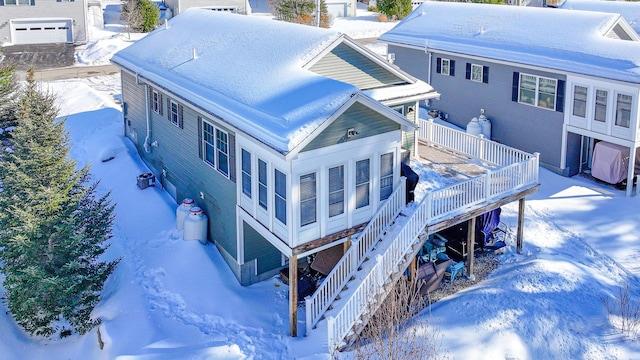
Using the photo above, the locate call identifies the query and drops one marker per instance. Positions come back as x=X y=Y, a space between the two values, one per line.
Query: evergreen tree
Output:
x=395 y=9
x=8 y=90
x=140 y=15
x=53 y=228
x=150 y=15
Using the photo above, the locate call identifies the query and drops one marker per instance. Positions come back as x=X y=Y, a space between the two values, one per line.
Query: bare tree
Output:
x=396 y=331
x=131 y=15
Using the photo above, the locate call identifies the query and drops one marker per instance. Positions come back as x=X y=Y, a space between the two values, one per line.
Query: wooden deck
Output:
x=452 y=165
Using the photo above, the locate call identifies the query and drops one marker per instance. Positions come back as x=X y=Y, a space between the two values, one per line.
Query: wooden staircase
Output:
x=360 y=281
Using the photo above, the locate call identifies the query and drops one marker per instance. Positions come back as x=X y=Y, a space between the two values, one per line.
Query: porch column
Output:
x=471 y=239
x=632 y=163
x=293 y=296
x=519 y=235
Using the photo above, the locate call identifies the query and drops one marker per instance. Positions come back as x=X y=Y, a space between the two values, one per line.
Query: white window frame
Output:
x=384 y=178
x=311 y=200
x=219 y=148
x=585 y=101
x=474 y=74
x=155 y=102
x=445 y=70
x=263 y=186
x=222 y=152
x=246 y=178
x=279 y=199
x=595 y=105
x=536 y=99
x=367 y=183
x=174 y=107
x=338 y=191
x=616 y=103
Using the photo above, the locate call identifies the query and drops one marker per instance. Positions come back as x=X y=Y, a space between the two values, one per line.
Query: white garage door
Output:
x=34 y=31
x=337 y=9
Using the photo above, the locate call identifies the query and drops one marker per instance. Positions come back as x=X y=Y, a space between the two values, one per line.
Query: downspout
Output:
x=426 y=50
x=147 y=139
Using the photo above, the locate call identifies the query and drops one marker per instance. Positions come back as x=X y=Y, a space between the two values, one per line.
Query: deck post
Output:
x=293 y=296
x=520 y=225
x=346 y=245
x=413 y=269
x=471 y=239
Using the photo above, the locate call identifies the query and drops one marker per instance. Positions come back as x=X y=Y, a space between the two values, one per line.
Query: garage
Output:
x=41 y=31
x=337 y=9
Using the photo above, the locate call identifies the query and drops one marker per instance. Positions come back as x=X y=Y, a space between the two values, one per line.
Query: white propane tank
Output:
x=182 y=211
x=485 y=124
x=473 y=127
x=195 y=225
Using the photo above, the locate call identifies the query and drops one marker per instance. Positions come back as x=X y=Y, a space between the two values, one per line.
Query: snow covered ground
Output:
x=171 y=299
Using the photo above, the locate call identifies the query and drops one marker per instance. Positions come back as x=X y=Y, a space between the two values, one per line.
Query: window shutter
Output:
x=452 y=67
x=169 y=109
x=160 y=104
x=232 y=158
x=514 y=87
x=199 y=137
x=485 y=74
x=560 y=96
x=150 y=100
x=180 y=116
x=468 y=75
x=439 y=65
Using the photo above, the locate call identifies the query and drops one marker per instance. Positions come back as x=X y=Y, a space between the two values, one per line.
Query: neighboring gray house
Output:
x=233 y=6
x=630 y=10
x=243 y=116
x=550 y=81
x=43 y=22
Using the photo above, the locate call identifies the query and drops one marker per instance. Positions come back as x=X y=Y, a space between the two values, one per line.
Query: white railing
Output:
x=318 y=303
x=434 y=207
x=372 y=286
x=517 y=170
x=470 y=145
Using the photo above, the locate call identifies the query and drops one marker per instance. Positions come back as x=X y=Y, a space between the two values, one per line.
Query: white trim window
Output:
x=246 y=173
x=174 y=115
x=445 y=67
x=580 y=95
x=18 y=2
x=537 y=91
x=262 y=184
x=222 y=151
x=156 y=102
x=476 y=72
x=336 y=191
x=280 y=182
x=363 y=179
x=215 y=148
x=386 y=176
x=600 y=105
x=623 y=110
x=308 y=199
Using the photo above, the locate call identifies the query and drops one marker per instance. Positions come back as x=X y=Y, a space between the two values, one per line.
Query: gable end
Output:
x=343 y=63
x=364 y=120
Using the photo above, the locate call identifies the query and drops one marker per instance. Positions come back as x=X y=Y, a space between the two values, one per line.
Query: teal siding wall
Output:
x=257 y=247
x=133 y=97
x=345 y=64
x=177 y=153
x=364 y=120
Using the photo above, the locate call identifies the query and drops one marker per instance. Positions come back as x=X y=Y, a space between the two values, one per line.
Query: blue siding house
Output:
x=285 y=134
x=551 y=81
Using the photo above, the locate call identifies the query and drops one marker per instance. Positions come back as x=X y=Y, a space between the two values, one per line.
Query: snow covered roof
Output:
x=247 y=70
x=630 y=10
x=572 y=41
